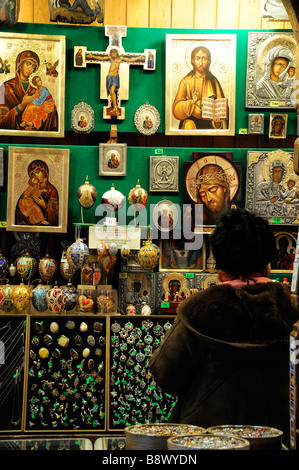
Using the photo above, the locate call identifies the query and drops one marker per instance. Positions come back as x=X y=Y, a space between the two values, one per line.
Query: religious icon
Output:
x=82 y=118
x=270 y=79
x=137 y=289
x=272 y=186
x=79 y=12
x=255 y=123
x=37 y=190
x=112 y=159
x=200 y=84
x=278 y=126
x=33 y=85
x=164 y=174
x=285 y=251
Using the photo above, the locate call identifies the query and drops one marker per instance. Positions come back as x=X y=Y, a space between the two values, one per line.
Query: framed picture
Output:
x=164 y=174
x=211 y=59
x=274 y=9
x=37 y=61
x=1 y=167
x=205 y=280
x=136 y=289
x=150 y=59
x=165 y=216
x=270 y=77
x=286 y=249
x=278 y=126
x=82 y=118
x=174 y=256
x=147 y=119
x=38 y=181
x=211 y=183
x=113 y=159
x=172 y=287
x=272 y=186
x=256 y=123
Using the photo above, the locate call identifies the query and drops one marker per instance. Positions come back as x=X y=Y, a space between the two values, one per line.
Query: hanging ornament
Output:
x=2 y=297
x=148 y=255
x=56 y=299
x=12 y=270
x=70 y=296
x=113 y=200
x=47 y=267
x=125 y=251
x=7 y=305
x=3 y=265
x=77 y=254
x=107 y=262
x=21 y=297
x=66 y=271
x=102 y=249
x=26 y=266
x=87 y=194
x=138 y=197
x=112 y=249
x=39 y=297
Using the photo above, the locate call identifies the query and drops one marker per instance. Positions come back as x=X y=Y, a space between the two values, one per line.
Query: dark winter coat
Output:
x=226 y=358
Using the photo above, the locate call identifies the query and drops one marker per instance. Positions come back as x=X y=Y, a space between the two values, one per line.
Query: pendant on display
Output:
x=21 y=297
x=87 y=194
x=77 y=254
x=82 y=118
x=47 y=267
x=39 y=298
x=113 y=199
x=26 y=266
x=138 y=197
x=56 y=299
x=149 y=255
x=147 y=119
x=3 y=265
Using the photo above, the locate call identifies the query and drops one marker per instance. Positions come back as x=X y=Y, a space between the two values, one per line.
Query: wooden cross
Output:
x=115 y=69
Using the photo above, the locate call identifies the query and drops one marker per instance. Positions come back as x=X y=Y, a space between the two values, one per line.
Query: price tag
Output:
x=123 y=275
x=2 y=223
x=164 y=304
x=276 y=221
x=189 y=275
x=243 y=131
x=158 y=151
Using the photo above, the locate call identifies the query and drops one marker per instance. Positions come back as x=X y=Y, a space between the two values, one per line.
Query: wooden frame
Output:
x=45 y=209
x=39 y=60
x=181 y=114
x=112 y=159
x=173 y=256
x=271 y=186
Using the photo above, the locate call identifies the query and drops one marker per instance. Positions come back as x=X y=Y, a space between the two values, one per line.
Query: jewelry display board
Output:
x=66 y=377
x=12 y=354
x=134 y=396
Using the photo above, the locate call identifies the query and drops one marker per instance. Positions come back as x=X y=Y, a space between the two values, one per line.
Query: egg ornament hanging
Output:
x=138 y=197
x=26 y=266
x=102 y=249
x=66 y=270
x=70 y=296
x=87 y=194
x=77 y=254
x=148 y=255
x=7 y=305
x=56 y=299
x=2 y=297
x=112 y=249
x=39 y=297
x=21 y=297
x=125 y=251
x=47 y=267
x=3 y=265
x=113 y=199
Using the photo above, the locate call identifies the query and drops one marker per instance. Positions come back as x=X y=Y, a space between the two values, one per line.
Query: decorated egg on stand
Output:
x=71 y=296
x=138 y=197
x=131 y=310
x=26 y=266
x=145 y=310
x=21 y=297
x=102 y=249
x=12 y=270
x=77 y=254
x=39 y=297
x=3 y=265
x=66 y=270
x=7 y=305
x=87 y=194
x=56 y=299
x=47 y=267
x=125 y=251
x=113 y=199
x=148 y=255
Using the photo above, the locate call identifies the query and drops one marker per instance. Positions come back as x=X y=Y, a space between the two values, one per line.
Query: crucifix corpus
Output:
x=115 y=68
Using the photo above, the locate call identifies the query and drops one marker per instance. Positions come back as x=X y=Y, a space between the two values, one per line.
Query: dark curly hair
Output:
x=242 y=243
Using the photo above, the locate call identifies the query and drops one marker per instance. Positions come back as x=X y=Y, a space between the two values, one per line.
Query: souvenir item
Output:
x=148 y=255
x=113 y=199
x=125 y=251
x=106 y=302
x=80 y=12
x=21 y=297
x=147 y=119
x=56 y=299
x=131 y=310
x=77 y=254
x=112 y=159
x=85 y=301
x=12 y=270
x=7 y=305
x=102 y=249
x=138 y=197
x=70 y=296
x=87 y=194
x=207 y=442
x=112 y=249
x=164 y=174
x=2 y=297
x=3 y=265
x=82 y=120
x=26 y=266
x=47 y=267
x=39 y=297
x=146 y=310
x=107 y=262
x=54 y=327
x=66 y=270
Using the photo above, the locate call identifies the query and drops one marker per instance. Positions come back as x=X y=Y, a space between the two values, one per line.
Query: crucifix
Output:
x=115 y=68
